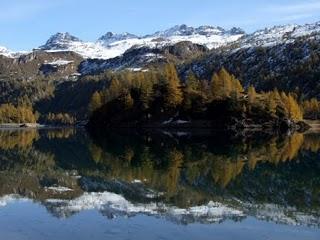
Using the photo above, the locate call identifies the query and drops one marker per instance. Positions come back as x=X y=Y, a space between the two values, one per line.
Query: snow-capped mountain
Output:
x=112 y=45
x=184 y=30
x=66 y=42
x=60 y=41
x=211 y=37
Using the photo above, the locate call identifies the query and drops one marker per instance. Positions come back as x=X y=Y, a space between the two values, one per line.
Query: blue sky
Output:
x=25 y=24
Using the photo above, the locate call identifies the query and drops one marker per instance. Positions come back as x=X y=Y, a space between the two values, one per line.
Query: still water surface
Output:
x=66 y=184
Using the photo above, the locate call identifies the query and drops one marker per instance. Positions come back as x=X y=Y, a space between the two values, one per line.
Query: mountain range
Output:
x=112 y=45
x=284 y=57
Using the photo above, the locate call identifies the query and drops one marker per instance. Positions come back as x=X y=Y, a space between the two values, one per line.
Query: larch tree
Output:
x=192 y=83
x=216 y=86
x=236 y=87
x=226 y=82
x=173 y=96
x=221 y=85
x=294 y=109
x=113 y=91
x=146 y=91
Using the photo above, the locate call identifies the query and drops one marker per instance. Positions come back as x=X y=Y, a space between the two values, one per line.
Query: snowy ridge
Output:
x=112 y=45
x=65 y=42
x=110 y=37
x=278 y=35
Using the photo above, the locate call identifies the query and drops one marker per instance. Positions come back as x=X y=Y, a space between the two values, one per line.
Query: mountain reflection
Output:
x=163 y=172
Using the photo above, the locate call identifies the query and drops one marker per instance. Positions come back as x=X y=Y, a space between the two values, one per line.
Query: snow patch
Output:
x=60 y=189
x=59 y=62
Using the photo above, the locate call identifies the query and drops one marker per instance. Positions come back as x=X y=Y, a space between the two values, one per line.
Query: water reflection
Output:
x=183 y=177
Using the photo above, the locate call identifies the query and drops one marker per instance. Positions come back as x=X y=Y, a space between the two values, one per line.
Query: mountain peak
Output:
x=111 y=37
x=177 y=30
x=206 y=30
x=236 y=30
x=60 y=40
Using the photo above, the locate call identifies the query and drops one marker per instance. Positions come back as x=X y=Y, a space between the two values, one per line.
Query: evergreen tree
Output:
x=221 y=85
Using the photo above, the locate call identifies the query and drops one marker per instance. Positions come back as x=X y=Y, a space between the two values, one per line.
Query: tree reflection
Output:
x=11 y=139
x=191 y=169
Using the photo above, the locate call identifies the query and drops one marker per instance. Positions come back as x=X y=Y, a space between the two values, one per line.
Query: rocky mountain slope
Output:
x=290 y=62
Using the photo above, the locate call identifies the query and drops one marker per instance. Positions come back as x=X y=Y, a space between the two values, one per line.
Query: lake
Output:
x=69 y=184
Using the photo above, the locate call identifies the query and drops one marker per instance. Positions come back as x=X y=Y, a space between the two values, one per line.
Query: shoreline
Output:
x=16 y=126
x=20 y=125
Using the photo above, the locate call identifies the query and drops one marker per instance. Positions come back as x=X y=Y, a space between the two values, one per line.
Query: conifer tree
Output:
x=216 y=86
x=146 y=91
x=192 y=83
x=237 y=88
x=221 y=85
x=113 y=91
x=192 y=92
x=173 y=96
x=226 y=82
x=294 y=109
